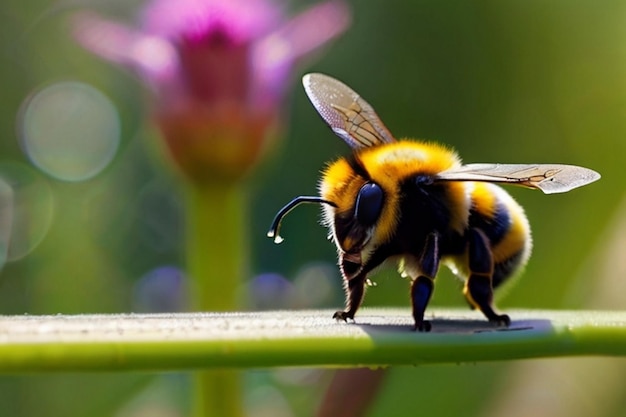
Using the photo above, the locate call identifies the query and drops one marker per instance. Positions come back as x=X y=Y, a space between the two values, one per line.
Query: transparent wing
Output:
x=347 y=114
x=549 y=178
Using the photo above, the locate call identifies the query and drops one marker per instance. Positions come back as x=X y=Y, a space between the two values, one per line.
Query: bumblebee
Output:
x=415 y=202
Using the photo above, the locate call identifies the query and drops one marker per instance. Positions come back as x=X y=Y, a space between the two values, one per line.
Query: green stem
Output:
x=218 y=393
x=216 y=260
x=216 y=245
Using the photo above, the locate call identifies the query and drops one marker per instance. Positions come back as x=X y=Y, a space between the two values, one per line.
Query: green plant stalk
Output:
x=309 y=338
x=216 y=261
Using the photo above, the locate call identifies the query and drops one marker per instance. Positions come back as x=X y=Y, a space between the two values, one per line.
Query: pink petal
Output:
x=314 y=27
x=242 y=20
x=152 y=57
x=274 y=56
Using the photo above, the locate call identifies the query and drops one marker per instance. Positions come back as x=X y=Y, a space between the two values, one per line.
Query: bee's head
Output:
x=354 y=226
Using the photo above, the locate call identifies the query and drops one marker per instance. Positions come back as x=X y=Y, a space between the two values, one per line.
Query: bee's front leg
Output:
x=354 y=279
x=354 y=271
x=355 y=289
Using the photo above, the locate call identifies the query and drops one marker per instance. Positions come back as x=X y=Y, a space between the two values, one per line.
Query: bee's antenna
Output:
x=275 y=228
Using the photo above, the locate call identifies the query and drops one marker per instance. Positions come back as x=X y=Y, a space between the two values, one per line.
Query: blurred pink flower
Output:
x=219 y=70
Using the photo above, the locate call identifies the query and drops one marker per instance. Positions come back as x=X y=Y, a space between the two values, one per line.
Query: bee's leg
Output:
x=355 y=289
x=478 y=287
x=354 y=278
x=422 y=286
x=421 y=290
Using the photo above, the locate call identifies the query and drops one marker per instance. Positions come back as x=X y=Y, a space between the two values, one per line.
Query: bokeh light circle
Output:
x=26 y=210
x=6 y=219
x=161 y=290
x=69 y=130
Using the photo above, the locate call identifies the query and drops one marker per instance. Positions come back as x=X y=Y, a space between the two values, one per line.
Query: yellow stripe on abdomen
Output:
x=505 y=224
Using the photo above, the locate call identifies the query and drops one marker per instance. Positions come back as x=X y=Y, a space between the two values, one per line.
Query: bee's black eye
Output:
x=369 y=204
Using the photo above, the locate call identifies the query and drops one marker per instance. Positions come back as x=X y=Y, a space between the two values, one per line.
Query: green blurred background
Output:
x=501 y=81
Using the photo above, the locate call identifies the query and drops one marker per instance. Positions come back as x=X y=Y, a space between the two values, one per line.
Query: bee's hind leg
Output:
x=478 y=287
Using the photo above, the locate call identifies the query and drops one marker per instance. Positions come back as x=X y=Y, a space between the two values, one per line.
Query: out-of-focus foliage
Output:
x=502 y=81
